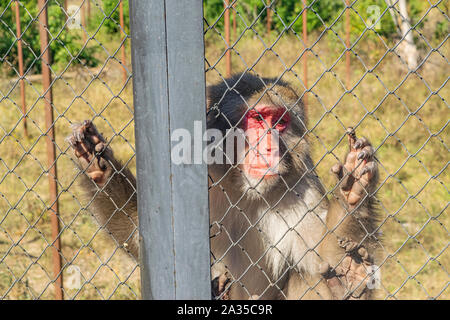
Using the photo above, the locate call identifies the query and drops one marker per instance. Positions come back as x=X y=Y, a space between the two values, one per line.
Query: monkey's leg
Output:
x=349 y=247
x=110 y=186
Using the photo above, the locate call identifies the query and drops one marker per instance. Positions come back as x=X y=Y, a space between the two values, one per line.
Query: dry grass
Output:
x=25 y=235
x=409 y=131
x=406 y=123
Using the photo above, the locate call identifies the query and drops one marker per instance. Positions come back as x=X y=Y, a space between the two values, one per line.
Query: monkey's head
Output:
x=271 y=117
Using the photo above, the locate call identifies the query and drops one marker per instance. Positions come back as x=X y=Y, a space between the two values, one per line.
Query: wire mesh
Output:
x=86 y=63
x=370 y=78
x=372 y=67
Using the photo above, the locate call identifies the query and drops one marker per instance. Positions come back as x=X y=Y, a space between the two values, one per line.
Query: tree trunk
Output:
x=406 y=49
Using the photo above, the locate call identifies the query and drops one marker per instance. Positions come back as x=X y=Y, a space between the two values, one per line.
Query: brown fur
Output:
x=271 y=240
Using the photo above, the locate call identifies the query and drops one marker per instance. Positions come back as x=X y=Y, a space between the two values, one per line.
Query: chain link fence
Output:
x=89 y=79
x=389 y=85
x=378 y=66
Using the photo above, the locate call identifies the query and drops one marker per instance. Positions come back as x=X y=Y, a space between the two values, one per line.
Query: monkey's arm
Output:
x=109 y=187
x=350 y=246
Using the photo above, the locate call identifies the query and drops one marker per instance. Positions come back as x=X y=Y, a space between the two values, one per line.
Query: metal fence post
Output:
x=122 y=49
x=169 y=93
x=83 y=21
x=226 y=18
x=305 y=58
x=347 y=43
x=234 y=23
x=269 y=18
x=16 y=12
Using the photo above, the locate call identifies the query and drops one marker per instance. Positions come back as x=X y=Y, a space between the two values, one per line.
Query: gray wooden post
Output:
x=169 y=93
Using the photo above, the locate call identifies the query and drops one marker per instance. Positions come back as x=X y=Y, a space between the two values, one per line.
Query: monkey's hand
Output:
x=220 y=287
x=90 y=148
x=353 y=277
x=359 y=174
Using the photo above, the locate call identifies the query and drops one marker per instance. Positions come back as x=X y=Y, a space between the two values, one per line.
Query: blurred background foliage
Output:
x=65 y=48
x=323 y=13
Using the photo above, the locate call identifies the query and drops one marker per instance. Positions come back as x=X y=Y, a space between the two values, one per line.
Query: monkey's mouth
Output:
x=262 y=165
x=259 y=172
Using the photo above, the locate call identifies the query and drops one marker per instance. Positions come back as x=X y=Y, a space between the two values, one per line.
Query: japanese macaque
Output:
x=275 y=233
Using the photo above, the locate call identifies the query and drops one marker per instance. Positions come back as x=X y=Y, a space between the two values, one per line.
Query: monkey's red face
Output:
x=263 y=126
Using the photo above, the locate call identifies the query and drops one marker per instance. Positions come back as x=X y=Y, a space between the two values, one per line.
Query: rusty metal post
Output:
x=50 y=139
x=20 y=58
x=305 y=60
x=347 y=43
x=269 y=18
x=227 y=38
x=234 y=23
x=83 y=20
x=122 y=25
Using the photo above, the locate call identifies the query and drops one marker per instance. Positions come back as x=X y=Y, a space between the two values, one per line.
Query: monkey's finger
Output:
x=92 y=134
x=361 y=143
x=363 y=253
x=219 y=287
x=72 y=141
x=100 y=147
x=77 y=131
x=358 y=287
x=347 y=244
x=102 y=163
x=324 y=269
x=337 y=170
x=79 y=135
x=215 y=288
x=339 y=271
x=367 y=173
x=351 y=138
x=347 y=180
x=366 y=153
x=357 y=193
x=337 y=288
x=97 y=175
x=79 y=148
x=223 y=281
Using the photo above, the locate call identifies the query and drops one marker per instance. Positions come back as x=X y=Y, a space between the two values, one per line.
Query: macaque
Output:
x=110 y=186
x=275 y=233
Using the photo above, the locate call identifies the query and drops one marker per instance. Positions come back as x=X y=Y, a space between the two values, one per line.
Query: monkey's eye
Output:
x=282 y=122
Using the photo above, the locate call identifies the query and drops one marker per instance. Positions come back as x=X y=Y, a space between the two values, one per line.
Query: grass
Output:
x=405 y=117
x=25 y=235
x=406 y=122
